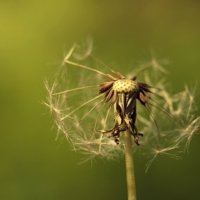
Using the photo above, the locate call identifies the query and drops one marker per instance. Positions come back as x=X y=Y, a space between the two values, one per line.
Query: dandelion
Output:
x=102 y=112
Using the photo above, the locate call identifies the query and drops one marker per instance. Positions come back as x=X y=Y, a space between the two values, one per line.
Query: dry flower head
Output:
x=93 y=108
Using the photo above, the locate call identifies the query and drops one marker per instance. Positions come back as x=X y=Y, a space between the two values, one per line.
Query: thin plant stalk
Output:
x=130 y=172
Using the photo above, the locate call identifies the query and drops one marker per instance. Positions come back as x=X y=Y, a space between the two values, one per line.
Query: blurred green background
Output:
x=33 y=38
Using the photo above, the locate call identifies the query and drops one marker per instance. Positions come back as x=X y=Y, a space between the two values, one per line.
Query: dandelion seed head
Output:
x=166 y=120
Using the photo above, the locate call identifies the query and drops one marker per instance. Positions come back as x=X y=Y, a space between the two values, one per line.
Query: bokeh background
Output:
x=33 y=37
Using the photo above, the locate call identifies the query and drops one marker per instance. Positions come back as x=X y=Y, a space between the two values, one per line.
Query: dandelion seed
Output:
x=153 y=153
x=84 y=50
x=185 y=134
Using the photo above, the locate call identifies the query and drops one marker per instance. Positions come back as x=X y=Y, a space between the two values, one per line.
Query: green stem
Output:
x=130 y=173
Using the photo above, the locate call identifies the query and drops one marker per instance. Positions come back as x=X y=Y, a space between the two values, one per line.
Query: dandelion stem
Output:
x=130 y=173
